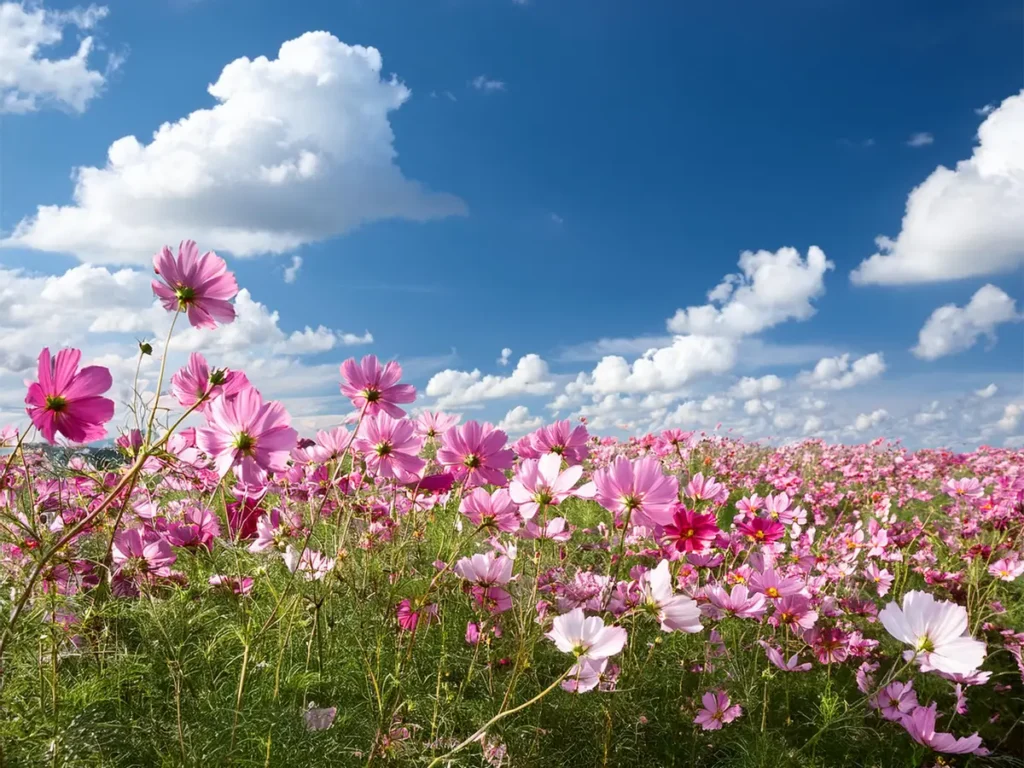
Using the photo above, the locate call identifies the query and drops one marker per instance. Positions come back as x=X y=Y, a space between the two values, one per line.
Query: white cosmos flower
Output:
x=587 y=638
x=936 y=630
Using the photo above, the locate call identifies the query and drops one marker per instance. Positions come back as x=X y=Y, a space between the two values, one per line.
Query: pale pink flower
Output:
x=716 y=711
x=964 y=488
x=67 y=400
x=247 y=434
x=312 y=565
x=540 y=483
x=584 y=675
x=375 y=389
x=707 y=489
x=740 y=602
x=895 y=701
x=586 y=637
x=139 y=553
x=331 y=443
x=936 y=630
x=430 y=425
x=1007 y=568
x=675 y=612
x=771 y=584
x=639 y=488
x=319 y=719
x=792 y=664
x=556 y=529
x=486 y=570
x=562 y=439
x=200 y=286
x=880 y=577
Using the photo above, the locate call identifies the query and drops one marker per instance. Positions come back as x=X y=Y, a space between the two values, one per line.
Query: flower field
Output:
x=413 y=588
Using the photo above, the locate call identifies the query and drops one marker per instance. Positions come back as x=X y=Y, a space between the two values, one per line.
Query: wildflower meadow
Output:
x=415 y=588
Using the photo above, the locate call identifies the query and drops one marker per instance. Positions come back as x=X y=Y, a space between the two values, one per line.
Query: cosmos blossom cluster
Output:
x=561 y=551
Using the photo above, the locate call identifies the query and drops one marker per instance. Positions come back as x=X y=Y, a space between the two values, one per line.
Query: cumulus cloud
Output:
x=965 y=221
x=930 y=415
x=686 y=359
x=770 y=288
x=748 y=386
x=297 y=149
x=986 y=392
x=291 y=272
x=1012 y=414
x=28 y=79
x=840 y=373
x=812 y=425
x=518 y=421
x=866 y=421
x=951 y=329
x=506 y=353
x=460 y=388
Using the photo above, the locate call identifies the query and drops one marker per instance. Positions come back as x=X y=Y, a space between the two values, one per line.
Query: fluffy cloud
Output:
x=866 y=421
x=769 y=289
x=688 y=358
x=840 y=373
x=291 y=272
x=506 y=353
x=951 y=329
x=962 y=222
x=29 y=80
x=929 y=415
x=748 y=386
x=297 y=149
x=518 y=421
x=986 y=392
x=459 y=388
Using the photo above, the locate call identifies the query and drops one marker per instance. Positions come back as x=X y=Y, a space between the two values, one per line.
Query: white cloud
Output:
x=812 y=425
x=866 y=421
x=757 y=406
x=1012 y=414
x=840 y=373
x=770 y=289
x=506 y=353
x=930 y=415
x=486 y=84
x=922 y=139
x=29 y=80
x=986 y=392
x=297 y=149
x=748 y=386
x=292 y=270
x=518 y=421
x=963 y=222
x=457 y=388
x=951 y=329
x=667 y=368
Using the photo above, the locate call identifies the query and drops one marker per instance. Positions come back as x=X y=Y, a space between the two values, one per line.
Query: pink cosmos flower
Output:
x=409 y=618
x=390 y=447
x=740 y=602
x=585 y=637
x=540 y=483
x=964 y=488
x=197 y=528
x=201 y=286
x=331 y=443
x=374 y=388
x=675 y=612
x=786 y=665
x=920 y=724
x=247 y=434
x=716 y=711
x=312 y=565
x=1007 y=568
x=771 y=584
x=936 y=630
x=830 y=644
x=563 y=440
x=233 y=584
x=430 y=425
x=556 y=529
x=584 y=675
x=881 y=578
x=475 y=453
x=706 y=489
x=487 y=570
x=139 y=553
x=8 y=436
x=638 y=488
x=690 y=531
x=490 y=510
x=196 y=381
x=795 y=611
x=67 y=400
x=895 y=701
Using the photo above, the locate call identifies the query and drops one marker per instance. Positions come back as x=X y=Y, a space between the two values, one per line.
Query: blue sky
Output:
x=591 y=167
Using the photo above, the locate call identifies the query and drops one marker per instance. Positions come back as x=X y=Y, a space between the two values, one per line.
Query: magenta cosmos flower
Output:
x=390 y=447
x=716 y=711
x=67 y=400
x=138 y=553
x=375 y=389
x=559 y=438
x=476 y=454
x=490 y=510
x=690 y=531
x=196 y=381
x=586 y=637
x=245 y=433
x=200 y=286
x=638 y=488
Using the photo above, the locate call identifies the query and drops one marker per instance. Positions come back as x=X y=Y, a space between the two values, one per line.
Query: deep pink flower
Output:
x=375 y=389
x=196 y=381
x=409 y=618
x=716 y=711
x=563 y=440
x=690 y=531
x=761 y=530
x=139 y=553
x=390 y=447
x=245 y=433
x=476 y=454
x=244 y=511
x=639 y=488
x=67 y=400
x=920 y=724
x=795 y=611
x=197 y=528
x=792 y=664
x=830 y=645
x=200 y=286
